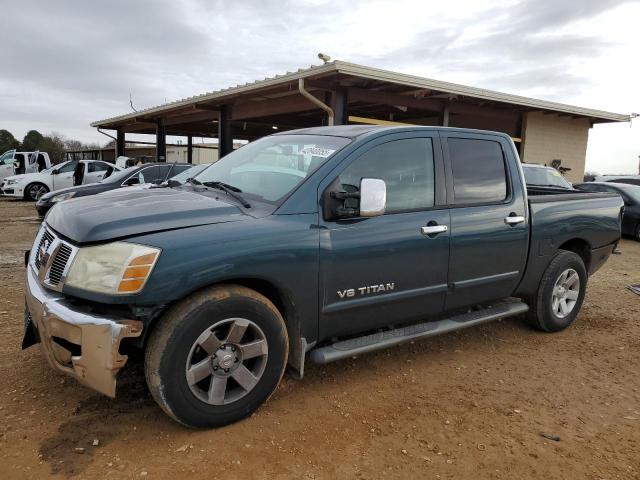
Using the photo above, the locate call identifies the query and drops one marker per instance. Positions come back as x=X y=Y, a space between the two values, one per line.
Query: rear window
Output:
x=479 y=173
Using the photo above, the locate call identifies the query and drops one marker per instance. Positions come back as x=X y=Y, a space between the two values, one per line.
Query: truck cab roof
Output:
x=355 y=131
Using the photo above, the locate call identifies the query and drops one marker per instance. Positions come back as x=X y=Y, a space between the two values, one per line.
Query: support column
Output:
x=189 y=149
x=225 y=139
x=161 y=141
x=120 y=149
x=339 y=106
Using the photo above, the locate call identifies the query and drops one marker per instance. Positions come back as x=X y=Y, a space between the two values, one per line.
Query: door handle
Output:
x=433 y=229
x=513 y=220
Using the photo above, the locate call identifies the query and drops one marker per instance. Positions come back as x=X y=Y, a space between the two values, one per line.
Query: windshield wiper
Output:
x=229 y=190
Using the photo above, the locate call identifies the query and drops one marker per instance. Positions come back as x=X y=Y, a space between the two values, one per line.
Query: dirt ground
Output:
x=472 y=404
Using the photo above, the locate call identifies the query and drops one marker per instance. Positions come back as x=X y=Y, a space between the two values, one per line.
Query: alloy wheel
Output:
x=227 y=361
x=565 y=293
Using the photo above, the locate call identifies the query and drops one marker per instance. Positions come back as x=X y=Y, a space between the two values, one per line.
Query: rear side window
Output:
x=97 y=167
x=407 y=168
x=479 y=173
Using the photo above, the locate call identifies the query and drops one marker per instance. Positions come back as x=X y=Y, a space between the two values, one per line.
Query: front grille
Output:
x=47 y=237
x=51 y=258
x=59 y=264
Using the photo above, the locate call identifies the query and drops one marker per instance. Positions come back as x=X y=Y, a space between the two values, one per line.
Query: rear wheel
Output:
x=560 y=294
x=216 y=356
x=35 y=191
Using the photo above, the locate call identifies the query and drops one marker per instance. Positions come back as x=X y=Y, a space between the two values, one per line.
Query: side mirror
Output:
x=373 y=197
x=55 y=172
x=349 y=201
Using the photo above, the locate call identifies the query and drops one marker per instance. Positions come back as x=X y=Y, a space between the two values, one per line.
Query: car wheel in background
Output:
x=35 y=191
x=216 y=356
x=560 y=293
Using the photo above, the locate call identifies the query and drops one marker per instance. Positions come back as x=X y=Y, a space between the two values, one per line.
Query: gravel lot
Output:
x=466 y=405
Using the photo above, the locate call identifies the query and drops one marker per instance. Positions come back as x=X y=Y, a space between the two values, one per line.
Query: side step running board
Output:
x=388 y=338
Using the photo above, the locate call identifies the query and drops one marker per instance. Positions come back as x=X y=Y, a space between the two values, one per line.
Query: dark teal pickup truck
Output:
x=319 y=244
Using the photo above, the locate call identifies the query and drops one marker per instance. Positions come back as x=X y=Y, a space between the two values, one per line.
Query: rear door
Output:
x=489 y=218
x=384 y=270
x=95 y=172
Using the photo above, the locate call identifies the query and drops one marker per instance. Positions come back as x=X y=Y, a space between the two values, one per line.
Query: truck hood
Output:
x=126 y=212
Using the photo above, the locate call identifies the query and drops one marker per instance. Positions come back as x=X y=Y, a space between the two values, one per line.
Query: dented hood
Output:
x=132 y=211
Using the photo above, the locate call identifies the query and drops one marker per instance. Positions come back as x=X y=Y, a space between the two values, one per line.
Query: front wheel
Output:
x=560 y=294
x=216 y=356
x=35 y=191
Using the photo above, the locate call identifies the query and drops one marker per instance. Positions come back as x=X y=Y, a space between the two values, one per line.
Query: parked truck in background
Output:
x=321 y=243
x=17 y=163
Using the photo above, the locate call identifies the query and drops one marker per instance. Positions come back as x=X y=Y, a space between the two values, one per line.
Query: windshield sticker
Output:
x=317 y=151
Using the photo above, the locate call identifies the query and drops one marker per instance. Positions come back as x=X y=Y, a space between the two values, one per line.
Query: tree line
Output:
x=54 y=144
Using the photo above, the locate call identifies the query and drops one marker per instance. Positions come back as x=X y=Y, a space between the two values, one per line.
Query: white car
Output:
x=32 y=186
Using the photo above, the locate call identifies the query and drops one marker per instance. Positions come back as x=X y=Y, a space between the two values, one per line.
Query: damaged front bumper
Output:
x=74 y=340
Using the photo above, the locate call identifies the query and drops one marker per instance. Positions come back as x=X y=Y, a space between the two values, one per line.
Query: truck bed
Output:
x=560 y=216
x=542 y=194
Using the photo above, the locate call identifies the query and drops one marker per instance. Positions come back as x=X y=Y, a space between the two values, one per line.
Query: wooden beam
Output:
x=264 y=108
x=393 y=99
x=192 y=117
x=373 y=121
x=206 y=106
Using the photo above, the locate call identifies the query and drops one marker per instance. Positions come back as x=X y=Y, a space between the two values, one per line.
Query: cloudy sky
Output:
x=67 y=63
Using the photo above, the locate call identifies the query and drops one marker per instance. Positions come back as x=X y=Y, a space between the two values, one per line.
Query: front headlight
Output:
x=62 y=197
x=118 y=268
x=11 y=182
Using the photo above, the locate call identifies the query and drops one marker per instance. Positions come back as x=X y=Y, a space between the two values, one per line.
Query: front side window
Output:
x=479 y=173
x=407 y=168
x=270 y=169
x=67 y=167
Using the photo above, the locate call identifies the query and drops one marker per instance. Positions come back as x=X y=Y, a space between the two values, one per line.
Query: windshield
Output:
x=544 y=177
x=270 y=169
x=189 y=173
x=119 y=176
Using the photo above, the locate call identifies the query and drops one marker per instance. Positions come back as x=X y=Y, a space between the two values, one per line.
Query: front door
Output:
x=384 y=270
x=64 y=177
x=489 y=219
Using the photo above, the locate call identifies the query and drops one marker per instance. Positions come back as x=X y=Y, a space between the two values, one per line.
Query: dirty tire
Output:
x=542 y=314
x=35 y=191
x=171 y=345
